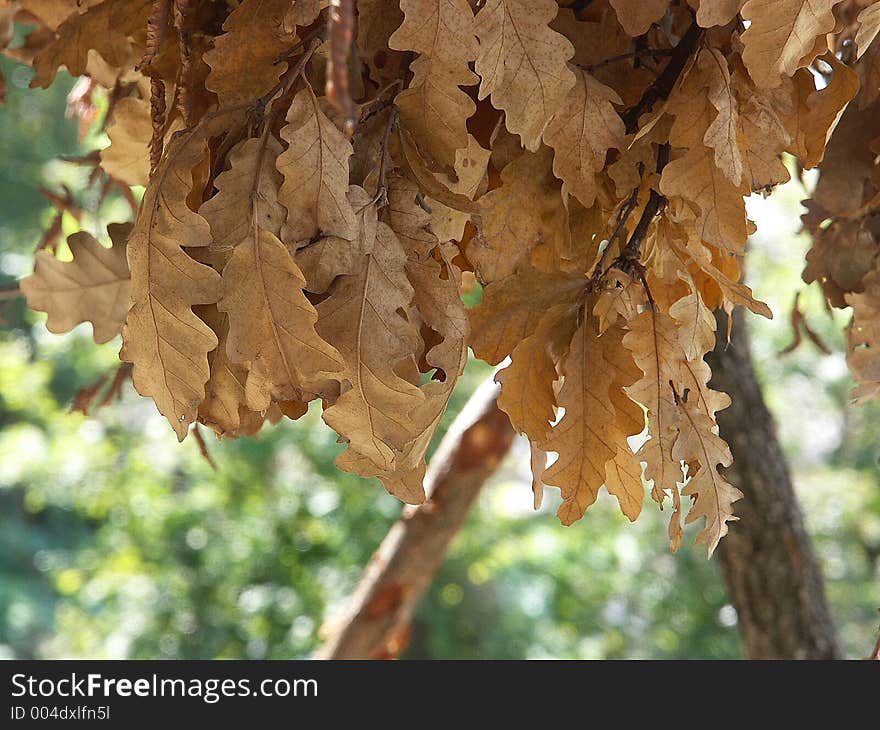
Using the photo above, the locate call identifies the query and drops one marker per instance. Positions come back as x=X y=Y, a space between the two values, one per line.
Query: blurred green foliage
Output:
x=115 y=541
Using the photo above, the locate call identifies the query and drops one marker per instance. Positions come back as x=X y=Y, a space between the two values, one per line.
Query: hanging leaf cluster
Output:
x=324 y=179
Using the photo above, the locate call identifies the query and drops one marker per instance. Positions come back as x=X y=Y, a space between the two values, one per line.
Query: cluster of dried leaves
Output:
x=322 y=182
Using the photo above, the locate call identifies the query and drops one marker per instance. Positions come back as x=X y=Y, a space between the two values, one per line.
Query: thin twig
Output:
x=203 y=447
x=341 y=32
x=8 y=293
x=649 y=52
x=665 y=82
x=625 y=213
x=381 y=196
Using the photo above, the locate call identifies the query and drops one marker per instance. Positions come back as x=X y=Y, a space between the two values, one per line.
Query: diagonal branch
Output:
x=376 y=624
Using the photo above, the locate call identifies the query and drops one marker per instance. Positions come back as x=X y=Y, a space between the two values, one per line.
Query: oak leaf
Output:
x=782 y=36
x=315 y=171
x=588 y=436
x=523 y=64
x=433 y=106
x=244 y=58
x=512 y=308
x=106 y=28
x=364 y=318
x=636 y=16
x=582 y=133
x=168 y=344
x=271 y=322
x=93 y=287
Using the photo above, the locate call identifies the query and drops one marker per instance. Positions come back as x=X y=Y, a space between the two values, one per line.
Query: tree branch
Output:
x=665 y=82
x=376 y=625
x=9 y=292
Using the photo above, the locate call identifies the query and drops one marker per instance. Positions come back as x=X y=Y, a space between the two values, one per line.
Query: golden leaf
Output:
x=512 y=308
x=714 y=495
x=527 y=393
x=589 y=435
x=715 y=204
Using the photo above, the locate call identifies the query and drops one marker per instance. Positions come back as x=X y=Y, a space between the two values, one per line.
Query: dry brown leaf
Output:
x=433 y=107
x=581 y=134
x=782 y=35
x=331 y=256
x=636 y=16
x=869 y=26
x=589 y=435
x=863 y=339
x=364 y=318
x=271 y=322
x=526 y=210
x=527 y=393
x=681 y=407
x=106 y=28
x=94 y=287
x=127 y=157
x=243 y=59
x=523 y=64
x=717 y=12
x=168 y=344
x=315 y=170
x=512 y=308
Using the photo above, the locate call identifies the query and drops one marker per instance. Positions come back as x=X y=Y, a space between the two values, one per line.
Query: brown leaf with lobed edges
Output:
x=130 y=134
x=674 y=391
x=315 y=171
x=783 y=36
x=433 y=107
x=526 y=210
x=582 y=133
x=589 y=435
x=527 y=393
x=164 y=340
x=243 y=59
x=636 y=16
x=364 y=318
x=512 y=308
x=523 y=64
x=271 y=322
x=94 y=287
x=106 y=28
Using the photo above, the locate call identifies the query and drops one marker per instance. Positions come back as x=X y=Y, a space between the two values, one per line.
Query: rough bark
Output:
x=771 y=573
x=376 y=626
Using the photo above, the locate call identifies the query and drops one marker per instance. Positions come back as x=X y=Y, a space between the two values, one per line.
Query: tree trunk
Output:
x=376 y=625
x=772 y=576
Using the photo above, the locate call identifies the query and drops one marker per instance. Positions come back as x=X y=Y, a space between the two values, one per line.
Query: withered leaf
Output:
x=93 y=287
